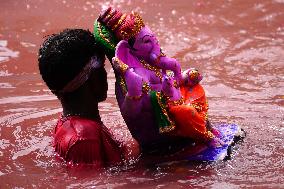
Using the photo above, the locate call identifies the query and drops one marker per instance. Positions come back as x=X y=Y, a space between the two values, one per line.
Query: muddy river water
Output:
x=238 y=45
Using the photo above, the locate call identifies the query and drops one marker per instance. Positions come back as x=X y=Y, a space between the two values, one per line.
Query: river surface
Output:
x=238 y=45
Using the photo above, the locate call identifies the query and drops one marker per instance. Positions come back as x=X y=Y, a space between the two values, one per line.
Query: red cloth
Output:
x=81 y=140
x=191 y=117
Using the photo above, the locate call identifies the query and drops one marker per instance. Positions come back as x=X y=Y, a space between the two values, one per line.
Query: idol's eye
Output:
x=147 y=41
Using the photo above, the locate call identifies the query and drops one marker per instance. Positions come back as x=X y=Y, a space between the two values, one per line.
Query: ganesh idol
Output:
x=161 y=105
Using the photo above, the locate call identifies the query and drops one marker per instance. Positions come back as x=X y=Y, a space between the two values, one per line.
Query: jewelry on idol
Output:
x=175 y=102
x=120 y=21
x=134 y=97
x=121 y=65
x=152 y=68
x=129 y=31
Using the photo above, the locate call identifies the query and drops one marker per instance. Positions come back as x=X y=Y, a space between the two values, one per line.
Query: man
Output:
x=72 y=66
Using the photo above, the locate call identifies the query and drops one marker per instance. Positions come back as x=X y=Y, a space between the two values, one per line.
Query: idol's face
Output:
x=146 y=43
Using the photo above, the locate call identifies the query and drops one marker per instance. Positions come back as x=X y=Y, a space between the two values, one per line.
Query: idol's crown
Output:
x=124 y=26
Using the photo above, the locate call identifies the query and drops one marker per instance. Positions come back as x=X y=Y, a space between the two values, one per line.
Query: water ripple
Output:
x=5 y=52
x=25 y=99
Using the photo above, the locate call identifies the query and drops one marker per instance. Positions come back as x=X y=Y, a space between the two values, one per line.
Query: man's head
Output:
x=68 y=60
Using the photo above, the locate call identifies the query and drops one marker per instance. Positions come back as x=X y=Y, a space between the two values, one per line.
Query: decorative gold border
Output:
x=122 y=18
x=163 y=108
x=138 y=25
x=102 y=35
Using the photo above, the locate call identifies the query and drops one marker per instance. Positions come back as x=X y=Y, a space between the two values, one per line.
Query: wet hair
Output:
x=62 y=56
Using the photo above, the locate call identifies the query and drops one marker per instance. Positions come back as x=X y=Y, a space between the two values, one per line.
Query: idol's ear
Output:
x=122 y=50
x=123 y=53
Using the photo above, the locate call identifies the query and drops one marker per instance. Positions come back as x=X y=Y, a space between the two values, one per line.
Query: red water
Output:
x=239 y=47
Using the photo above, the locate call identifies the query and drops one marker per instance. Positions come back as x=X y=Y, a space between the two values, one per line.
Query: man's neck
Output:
x=80 y=106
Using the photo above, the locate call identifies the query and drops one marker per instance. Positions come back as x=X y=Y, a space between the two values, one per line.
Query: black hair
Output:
x=62 y=56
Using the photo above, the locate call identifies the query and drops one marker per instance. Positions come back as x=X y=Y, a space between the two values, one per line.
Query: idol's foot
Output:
x=216 y=143
x=213 y=130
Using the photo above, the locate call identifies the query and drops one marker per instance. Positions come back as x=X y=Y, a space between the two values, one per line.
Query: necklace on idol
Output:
x=152 y=68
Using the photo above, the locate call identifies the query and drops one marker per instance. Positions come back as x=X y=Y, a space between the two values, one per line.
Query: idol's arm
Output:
x=132 y=103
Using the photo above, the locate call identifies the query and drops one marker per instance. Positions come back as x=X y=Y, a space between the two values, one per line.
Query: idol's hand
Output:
x=170 y=88
x=119 y=66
